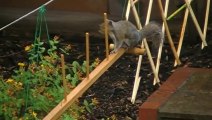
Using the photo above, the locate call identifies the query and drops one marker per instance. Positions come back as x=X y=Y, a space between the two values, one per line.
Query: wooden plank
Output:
x=83 y=86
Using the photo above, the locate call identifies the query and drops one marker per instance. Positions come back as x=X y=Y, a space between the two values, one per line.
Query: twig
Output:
x=63 y=76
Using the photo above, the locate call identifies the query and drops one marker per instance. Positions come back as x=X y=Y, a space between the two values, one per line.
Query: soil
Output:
x=113 y=89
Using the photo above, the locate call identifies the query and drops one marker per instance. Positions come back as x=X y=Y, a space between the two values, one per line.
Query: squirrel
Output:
x=125 y=35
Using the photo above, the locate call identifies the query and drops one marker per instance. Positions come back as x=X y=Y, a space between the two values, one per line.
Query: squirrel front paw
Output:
x=114 y=51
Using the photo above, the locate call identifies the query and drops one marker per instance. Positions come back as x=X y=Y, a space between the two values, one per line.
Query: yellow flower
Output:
x=34 y=114
x=9 y=80
x=28 y=47
x=21 y=64
x=96 y=62
x=95 y=101
x=20 y=84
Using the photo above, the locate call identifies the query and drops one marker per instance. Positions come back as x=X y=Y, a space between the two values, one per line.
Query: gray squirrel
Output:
x=125 y=35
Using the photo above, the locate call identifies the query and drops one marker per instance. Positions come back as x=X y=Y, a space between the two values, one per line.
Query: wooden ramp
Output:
x=83 y=86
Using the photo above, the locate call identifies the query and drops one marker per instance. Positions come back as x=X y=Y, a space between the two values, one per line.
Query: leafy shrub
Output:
x=35 y=88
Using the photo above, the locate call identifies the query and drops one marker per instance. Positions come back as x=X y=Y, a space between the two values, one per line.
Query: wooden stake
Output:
x=206 y=21
x=106 y=35
x=135 y=13
x=151 y=61
x=135 y=89
x=127 y=10
x=177 y=11
x=168 y=33
x=147 y=48
x=196 y=23
x=182 y=34
x=136 y=83
x=64 y=76
x=55 y=113
x=161 y=45
x=87 y=55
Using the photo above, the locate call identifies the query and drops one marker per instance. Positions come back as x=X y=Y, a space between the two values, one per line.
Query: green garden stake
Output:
x=37 y=50
x=177 y=11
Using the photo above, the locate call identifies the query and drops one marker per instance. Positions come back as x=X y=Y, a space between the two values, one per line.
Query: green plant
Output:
x=35 y=88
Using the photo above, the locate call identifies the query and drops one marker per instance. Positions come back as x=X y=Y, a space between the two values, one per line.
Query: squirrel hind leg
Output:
x=118 y=45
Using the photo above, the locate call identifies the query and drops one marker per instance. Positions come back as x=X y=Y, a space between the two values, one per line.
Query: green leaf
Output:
x=75 y=65
x=84 y=67
x=68 y=77
x=87 y=106
x=67 y=117
x=74 y=81
x=64 y=51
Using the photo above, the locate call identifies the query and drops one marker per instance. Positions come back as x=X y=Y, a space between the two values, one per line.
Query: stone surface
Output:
x=195 y=84
x=192 y=100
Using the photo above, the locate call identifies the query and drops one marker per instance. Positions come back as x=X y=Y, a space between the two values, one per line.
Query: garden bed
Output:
x=112 y=91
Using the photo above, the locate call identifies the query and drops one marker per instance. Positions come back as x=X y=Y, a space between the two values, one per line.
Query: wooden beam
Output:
x=83 y=86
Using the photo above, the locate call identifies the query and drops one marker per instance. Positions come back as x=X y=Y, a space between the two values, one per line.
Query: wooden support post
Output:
x=161 y=44
x=196 y=23
x=206 y=20
x=168 y=33
x=83 y=86
x=106 y=35
x=64 y=76
x=87 y=55
x=182 y=34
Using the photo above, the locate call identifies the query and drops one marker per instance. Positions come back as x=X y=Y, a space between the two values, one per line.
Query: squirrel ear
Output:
x=110 y=22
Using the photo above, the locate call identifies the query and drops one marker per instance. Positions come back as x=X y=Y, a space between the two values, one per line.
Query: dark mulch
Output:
x=114 y=88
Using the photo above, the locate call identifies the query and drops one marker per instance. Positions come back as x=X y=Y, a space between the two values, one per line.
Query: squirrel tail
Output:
x=153 y=33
